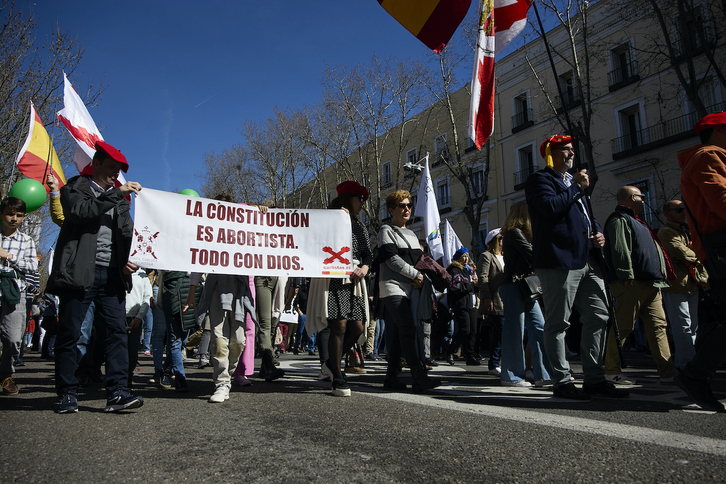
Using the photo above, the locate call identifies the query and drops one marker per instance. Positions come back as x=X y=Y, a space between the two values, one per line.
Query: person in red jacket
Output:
x=703 y=187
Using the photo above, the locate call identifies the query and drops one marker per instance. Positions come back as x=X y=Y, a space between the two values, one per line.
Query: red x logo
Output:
x=336 y=255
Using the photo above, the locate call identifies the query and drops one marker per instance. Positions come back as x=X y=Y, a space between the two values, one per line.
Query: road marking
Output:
x=632 y=433
x=645 y=435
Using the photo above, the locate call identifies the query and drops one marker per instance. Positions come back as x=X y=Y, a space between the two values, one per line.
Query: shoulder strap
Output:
x=400 y=234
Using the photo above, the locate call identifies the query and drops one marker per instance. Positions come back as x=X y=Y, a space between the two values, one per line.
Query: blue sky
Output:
x=183 y=76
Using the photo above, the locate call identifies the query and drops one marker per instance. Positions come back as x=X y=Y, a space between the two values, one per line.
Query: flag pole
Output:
x=557 y=82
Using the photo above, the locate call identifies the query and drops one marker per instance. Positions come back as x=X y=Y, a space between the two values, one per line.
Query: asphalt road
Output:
x=294 y=430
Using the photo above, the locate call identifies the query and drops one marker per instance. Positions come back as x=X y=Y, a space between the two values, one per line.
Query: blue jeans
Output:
x=174 y=336
x=517 y=315
x=300 y=331
x=496 y=323
x=682 y=311
x=378 y=335
x=147 y=326
x=158 y=333
x=108 y=293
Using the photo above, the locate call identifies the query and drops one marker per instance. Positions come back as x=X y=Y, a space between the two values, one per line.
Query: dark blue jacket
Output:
x=560 y=230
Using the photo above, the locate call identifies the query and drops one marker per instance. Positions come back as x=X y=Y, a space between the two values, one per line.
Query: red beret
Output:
x=354 y=188
x=112 y=153
x=556 y=141
x=709 y=121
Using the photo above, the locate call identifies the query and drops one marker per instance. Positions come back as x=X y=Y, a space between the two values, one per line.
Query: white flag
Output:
x=427 y=208
x=451 y=243
x=79 y=123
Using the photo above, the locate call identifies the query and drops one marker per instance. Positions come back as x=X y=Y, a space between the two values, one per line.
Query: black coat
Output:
x=74 y=263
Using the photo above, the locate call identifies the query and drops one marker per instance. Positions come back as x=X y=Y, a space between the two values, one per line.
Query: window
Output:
x=483 y=231
x=569 y=93
x=442 y=192
x=644 y=187
x=525 y=165
x=441 y=149
x=522 y=113
x=384 y=211
x=412 y=156
x=707 y=95
x=386 y=177
x=477 y=180
x=693 y=31
x=631 y=129
x=624 y=68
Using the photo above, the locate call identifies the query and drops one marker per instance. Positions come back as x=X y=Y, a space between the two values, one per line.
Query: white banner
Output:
x=182 y=233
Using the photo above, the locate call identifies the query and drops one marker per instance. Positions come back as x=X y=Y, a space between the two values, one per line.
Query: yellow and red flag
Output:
x=433 y=22
x=37 y=157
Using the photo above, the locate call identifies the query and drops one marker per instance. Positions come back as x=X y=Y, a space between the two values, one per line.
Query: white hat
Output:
x=492 y=234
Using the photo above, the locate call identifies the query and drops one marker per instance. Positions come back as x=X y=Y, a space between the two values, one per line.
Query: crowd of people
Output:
x=551 y=283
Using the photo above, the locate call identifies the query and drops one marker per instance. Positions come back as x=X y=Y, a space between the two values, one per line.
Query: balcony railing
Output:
x=624 y=75
x=520 y=177
x=662 y=133
x=522 y=120
x=570 y=99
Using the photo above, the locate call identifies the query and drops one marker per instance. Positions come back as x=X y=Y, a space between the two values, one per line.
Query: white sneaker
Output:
x=620 y=379
x=520 y=383
x=220 y=394
x=495 y=371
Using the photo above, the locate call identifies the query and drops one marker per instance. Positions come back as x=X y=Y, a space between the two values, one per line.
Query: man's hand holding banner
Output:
x=178 y=232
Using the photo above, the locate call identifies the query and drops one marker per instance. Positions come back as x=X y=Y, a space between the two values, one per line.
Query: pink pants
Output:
x=246 y=364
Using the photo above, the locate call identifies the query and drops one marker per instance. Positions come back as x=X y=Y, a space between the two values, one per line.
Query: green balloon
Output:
x=189 y=192
x=32 y=192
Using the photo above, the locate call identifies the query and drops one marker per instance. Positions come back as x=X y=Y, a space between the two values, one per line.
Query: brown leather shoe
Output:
x=9 y=386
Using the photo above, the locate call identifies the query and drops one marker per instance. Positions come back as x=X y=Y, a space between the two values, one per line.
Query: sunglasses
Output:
x=405 y=206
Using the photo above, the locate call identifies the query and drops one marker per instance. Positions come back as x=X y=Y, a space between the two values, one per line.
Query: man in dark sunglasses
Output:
x=680 y=300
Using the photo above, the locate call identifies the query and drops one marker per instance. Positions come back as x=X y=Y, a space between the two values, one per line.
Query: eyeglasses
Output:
x=362 y=199
x=405 y=206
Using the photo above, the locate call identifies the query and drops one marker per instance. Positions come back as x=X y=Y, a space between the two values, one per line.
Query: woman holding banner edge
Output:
x=344 y=302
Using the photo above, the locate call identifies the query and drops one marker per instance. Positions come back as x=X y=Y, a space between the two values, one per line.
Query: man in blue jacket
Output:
x=566 y=239
x=91 y=264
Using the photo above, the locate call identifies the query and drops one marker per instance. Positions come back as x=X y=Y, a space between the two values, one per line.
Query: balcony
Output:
x=658 y=135
x=522 y=120
x=570 y=99
x=624 y=75
x=520 y=177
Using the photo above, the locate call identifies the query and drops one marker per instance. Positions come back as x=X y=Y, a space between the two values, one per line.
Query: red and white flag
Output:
x=500 y=21
x=78 y=121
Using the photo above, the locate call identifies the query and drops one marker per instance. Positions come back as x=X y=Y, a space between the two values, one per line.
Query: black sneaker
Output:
x=181 y=384
x=165 y=381
x=68 y=403
x=604 y=389
x=570 y=391
x=341 y=387
x=122 y=400
x=700 y=392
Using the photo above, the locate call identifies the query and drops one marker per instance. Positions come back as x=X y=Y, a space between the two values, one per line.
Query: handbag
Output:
x=529 y=287
x=440 y=277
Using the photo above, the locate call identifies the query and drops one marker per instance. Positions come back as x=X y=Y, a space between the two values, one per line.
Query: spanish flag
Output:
x=38 y=158
x=433 y=22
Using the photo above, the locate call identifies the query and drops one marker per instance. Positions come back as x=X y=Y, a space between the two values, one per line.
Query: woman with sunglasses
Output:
x=399 y=250
x=346 y=300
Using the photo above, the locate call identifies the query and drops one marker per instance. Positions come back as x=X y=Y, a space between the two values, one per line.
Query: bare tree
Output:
x=690 y=34
x=230 y=172
x=31 y=69
x=452 y=107
x=570 y=99
x=376 y=105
